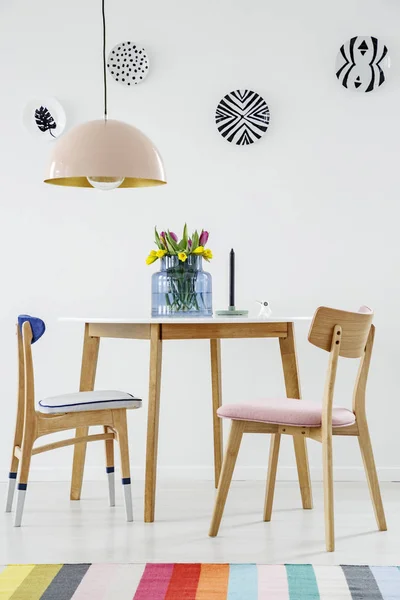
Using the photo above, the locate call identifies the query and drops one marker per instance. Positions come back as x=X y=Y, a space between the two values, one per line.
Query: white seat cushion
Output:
x=80 y=401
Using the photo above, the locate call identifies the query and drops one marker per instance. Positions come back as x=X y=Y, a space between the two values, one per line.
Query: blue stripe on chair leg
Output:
x=126 y=482
x=22 y=487
x=12 y=480
x=111 y=484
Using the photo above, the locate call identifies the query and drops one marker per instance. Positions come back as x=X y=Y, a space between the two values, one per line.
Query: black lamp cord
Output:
x=104 y=59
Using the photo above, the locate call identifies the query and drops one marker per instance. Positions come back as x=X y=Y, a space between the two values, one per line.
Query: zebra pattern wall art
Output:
x=242 y=117
x=361 y=64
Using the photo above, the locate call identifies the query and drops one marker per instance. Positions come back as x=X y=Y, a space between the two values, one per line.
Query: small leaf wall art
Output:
x=44 y=120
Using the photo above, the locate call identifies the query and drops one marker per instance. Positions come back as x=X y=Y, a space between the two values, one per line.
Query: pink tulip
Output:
x=203 y=238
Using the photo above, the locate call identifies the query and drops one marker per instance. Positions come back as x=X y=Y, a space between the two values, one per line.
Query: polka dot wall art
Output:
x=128 y=63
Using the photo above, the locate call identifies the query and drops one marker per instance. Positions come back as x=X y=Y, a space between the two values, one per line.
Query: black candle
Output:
x=232 y=279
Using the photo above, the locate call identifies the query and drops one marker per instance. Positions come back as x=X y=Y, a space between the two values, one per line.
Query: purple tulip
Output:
x=189 y=243
x=171 y=233
x=203 y=238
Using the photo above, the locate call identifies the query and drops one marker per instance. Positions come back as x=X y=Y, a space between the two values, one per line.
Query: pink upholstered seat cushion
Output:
x=285 y=411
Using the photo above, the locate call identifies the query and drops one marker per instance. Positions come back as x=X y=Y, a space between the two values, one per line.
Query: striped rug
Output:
x=198 y=582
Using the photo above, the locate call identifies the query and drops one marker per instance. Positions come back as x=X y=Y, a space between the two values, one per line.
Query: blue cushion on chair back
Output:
x=37 y=325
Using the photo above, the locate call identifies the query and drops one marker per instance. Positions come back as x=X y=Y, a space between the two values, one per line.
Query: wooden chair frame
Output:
x=32 y=425
x=328 y=335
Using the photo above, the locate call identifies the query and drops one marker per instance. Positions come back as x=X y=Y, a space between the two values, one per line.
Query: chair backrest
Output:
x=347 y=334
x=355 y=328
x=29 y=330
x=37 y=326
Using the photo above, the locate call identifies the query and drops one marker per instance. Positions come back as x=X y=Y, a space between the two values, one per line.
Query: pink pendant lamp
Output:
x=105 y=154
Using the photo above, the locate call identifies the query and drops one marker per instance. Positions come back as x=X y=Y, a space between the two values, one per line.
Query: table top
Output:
x=185 y=321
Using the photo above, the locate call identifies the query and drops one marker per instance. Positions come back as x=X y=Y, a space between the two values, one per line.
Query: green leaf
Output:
x=158 y=241
x=171 y=243
x=185 y=235
x=195 y=240
x=170 y=248
x=183 y=244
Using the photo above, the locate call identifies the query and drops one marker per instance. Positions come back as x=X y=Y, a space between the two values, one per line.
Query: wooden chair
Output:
x=340 y=333
x=105 y=408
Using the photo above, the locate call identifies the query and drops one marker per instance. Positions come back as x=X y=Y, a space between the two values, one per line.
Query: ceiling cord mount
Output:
x=104 y=59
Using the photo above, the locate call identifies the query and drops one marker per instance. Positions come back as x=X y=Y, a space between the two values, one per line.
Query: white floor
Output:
x=56 y=530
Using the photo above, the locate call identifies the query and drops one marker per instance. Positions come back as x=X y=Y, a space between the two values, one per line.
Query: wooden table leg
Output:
x=215 y=348
x=88 y=375
x=153 y=418
x=291 y=374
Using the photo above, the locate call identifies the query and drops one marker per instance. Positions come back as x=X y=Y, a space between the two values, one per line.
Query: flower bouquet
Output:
x=181 y=287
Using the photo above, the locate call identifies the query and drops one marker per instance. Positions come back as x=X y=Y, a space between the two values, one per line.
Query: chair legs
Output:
x=328 y=486
x=370 y=470
x=271 y=477
x=231 y=453
x=328 y=492
x=12 y=477
x=120 y=425
x=12 y=480
x=110 y=469
x=228 y=465
x=23 y=478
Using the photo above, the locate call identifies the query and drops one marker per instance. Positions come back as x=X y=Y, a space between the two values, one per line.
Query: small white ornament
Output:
x=265 y=310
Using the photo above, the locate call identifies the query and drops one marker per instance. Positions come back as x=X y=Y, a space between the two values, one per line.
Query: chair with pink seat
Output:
x=341 y=333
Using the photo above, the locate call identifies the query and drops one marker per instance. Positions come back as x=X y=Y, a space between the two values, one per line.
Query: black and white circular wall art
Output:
x=242 y=117
x=361 y=64
x=128 y=63
x=44 y=118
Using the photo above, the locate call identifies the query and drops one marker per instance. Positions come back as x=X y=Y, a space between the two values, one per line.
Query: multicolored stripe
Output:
x=198 y=582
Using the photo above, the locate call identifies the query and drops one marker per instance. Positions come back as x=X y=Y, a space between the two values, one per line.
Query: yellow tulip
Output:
x=182 y=256
x=207 y=254
x=199 y=250
x=161 y=253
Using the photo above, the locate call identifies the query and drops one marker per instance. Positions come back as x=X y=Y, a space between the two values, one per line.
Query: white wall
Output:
x=312 y=209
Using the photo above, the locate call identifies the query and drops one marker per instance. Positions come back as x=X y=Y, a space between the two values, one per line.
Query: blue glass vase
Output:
x=181 y=289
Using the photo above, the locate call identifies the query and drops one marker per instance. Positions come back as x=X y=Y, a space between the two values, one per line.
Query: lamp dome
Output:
x=105 y=150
